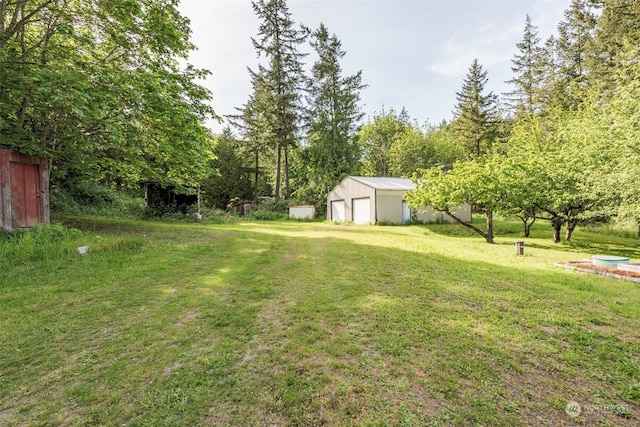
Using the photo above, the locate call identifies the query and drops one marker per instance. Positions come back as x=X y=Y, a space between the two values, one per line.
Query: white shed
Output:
x=302 y=212
x=371 y=200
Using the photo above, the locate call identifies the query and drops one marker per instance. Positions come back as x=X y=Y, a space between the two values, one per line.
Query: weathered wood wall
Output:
x=24 y=190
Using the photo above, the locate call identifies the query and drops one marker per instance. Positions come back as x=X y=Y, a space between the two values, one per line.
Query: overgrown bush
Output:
x=94 y=199
x=218 y=216
x=270 y=210
x=265 y=215
x=273 y=205
x=206 y=215
x=163 y=211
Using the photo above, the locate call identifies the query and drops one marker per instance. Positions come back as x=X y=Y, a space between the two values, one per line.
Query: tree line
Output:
x=102 y=90
x=560 y=146
x=566 y=151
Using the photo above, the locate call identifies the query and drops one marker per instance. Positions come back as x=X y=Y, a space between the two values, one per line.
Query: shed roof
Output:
x=386 y=183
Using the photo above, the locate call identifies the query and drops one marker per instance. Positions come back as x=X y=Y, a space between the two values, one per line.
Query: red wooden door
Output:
x=25 y=194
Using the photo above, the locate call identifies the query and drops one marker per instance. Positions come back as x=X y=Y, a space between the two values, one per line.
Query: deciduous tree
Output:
x=233 y=179
x=377 y=137
x=557 y=167
x=472 y=182
x=97 y=87
x=618 y=119
x=422 y=148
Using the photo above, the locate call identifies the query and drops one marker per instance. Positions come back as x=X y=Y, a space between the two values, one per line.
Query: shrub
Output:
x=272 y=205
x=261 y=214
x=218 y=216
x=94 y=199
x=41 y=243
x=270 y=210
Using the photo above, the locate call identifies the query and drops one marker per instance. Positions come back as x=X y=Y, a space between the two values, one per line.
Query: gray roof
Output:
x=385 y=183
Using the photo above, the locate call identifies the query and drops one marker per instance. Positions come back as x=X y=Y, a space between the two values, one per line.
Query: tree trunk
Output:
x=556 y=223
x=22 y=112
x=529 y=214
x=571 y=225
x=287 y=189
x=489 y=235
x=638 y=230
x=255 y=183
x=278 y=171
x=466 y=224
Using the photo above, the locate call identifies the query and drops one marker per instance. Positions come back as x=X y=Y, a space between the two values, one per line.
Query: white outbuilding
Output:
x=372 y=200
x=302 y=212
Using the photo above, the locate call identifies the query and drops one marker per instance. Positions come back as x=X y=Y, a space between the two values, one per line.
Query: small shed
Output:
x=302 y=212
x=243 y=208
x=371 y=200
x=24 y=190
x=158 y=195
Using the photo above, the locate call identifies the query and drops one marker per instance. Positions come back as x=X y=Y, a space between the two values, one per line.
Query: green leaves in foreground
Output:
x=97 y=88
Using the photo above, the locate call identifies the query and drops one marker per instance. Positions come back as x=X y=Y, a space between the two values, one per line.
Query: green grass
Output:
x=292 y=323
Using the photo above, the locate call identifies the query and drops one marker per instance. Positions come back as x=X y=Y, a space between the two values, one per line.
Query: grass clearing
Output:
x=292 y=323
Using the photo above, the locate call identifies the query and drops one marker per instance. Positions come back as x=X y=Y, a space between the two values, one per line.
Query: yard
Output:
x=292 y=323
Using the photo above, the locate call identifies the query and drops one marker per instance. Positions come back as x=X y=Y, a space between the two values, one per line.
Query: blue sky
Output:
x=412 y=53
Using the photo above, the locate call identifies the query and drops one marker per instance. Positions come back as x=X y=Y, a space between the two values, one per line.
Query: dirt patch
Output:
x=169 y=369
x=588 y=268
x=187 y=318
x=543 y=395
x=6 y=414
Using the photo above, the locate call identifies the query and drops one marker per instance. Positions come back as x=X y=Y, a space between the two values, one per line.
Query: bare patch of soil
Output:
x=6 y=414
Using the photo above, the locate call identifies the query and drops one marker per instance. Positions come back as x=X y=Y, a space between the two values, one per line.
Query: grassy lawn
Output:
x=288 y=323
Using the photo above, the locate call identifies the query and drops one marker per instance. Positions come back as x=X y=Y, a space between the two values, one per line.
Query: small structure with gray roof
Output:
x=372 y=200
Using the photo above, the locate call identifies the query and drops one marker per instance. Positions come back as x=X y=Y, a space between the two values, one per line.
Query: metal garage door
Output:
x=361 y=211
x=337 y=211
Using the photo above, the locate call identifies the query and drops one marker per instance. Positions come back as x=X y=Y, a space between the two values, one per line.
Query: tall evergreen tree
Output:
x=253 y=122
x=618 y=27
x=333 y=118
x=528 y=70
x=576 y=36
x=549 y=86
x=277 y=105
x=475 y=114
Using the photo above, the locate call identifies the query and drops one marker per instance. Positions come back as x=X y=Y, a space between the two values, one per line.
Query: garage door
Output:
x=361 y=211
x=337 y=211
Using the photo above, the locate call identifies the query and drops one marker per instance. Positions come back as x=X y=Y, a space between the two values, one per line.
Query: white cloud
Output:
x=492 y=44
x=458 y=56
